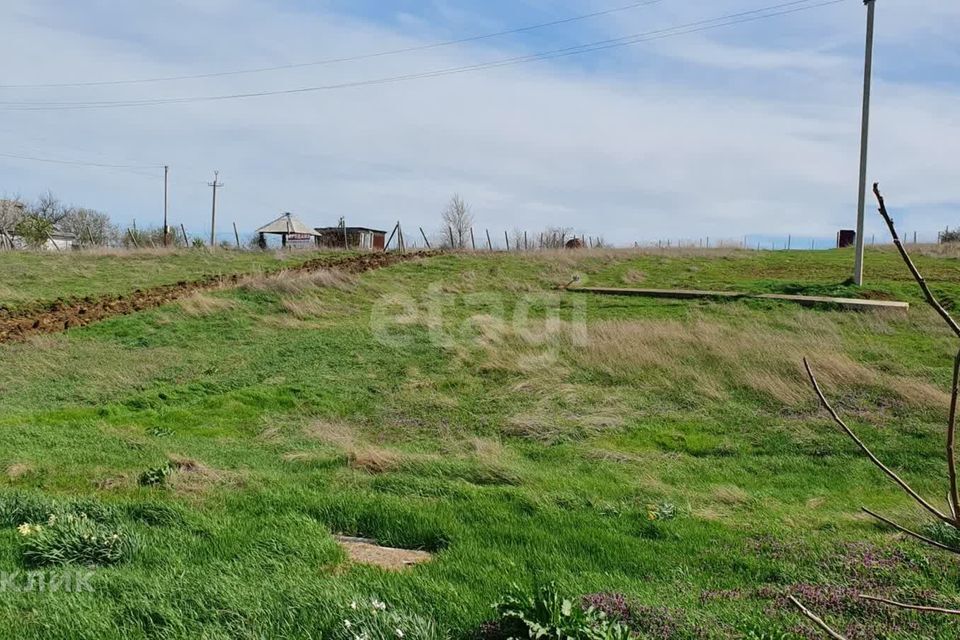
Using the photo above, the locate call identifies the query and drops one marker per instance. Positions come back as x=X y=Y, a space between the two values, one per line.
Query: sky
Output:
x=747 y=130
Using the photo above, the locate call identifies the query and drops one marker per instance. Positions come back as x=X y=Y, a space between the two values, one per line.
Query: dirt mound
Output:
x=64 y=314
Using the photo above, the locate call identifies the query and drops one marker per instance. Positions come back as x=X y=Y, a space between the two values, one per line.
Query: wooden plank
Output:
x=848 y=303
x=689 y=294
x=661 y=293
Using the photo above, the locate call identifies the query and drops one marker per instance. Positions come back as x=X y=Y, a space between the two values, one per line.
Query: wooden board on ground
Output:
x=365 y=551
x=809 y=301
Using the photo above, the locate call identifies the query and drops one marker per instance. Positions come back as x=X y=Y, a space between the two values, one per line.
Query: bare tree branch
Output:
x=816 y=619
x=903 y=485
x=913 y=534
x=932 y=300
x=913 y=269
x=912 y=607
x=951 y=441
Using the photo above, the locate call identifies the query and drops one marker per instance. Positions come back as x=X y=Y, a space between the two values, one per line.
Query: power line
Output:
x=762 y=13
x=356 y=58
x=82 y=163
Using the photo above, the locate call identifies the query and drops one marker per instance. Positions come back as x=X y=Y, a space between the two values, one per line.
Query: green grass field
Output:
x=30 y=277
x=667 y=450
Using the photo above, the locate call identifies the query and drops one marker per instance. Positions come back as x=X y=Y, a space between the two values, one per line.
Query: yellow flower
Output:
x=27 y=529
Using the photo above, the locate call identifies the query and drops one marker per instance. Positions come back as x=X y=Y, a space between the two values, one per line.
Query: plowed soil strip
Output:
x=66 y=314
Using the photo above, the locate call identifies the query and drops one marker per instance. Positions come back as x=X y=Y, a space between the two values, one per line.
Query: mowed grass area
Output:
x=460 y=404
x=31 y=277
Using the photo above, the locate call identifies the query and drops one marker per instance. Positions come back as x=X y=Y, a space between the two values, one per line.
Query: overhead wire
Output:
x=101 y=165
x=763 y=13
x=354 y=58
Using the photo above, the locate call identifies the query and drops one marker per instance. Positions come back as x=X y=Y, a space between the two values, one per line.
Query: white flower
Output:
x=27 y=529
x=399 y=633
x=347 y=624
x=378 y=605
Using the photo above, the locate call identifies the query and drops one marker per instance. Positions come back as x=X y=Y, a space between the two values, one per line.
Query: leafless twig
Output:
x=910 y=533
x=816 y=619
x=932 y=300
x=873 y=458
x=913 y=607
x=953 y=496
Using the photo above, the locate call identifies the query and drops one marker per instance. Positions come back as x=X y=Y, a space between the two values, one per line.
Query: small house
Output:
x=351 y=238
x=292 y=232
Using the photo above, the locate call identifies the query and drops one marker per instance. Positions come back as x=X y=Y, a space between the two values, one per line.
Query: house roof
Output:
x=287 y=224
x=349 y=230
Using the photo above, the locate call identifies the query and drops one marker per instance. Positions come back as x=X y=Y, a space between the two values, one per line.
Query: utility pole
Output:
x=216 y=184
x=864 y=139
x=166 y=228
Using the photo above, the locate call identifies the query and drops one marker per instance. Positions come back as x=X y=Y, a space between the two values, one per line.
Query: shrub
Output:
x=376 y=621
x=950 y=235
x=943 y=533
x=34 y=230
x=546 y=614
x=73 y=539
x=155 y=476
x=662 y=511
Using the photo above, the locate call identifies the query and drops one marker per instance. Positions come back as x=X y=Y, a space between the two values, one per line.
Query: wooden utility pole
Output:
x=236 y=234
x=216 y=184
x=450 y=229
x=473 y=243
x=864 y=139
x=186 y=240
x=425 y=237
x=506 y=239
x=166 y=227
x=489 y=244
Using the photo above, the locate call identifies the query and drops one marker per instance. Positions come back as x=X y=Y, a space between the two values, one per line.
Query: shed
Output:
x=351 y=238
x=290 y=229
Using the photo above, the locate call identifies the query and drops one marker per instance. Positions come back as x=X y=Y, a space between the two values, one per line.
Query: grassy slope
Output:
x=519 y=457
x=34 y=277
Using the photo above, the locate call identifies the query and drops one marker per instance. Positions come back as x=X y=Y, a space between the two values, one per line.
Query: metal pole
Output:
x=864 y=139
x=166 y=228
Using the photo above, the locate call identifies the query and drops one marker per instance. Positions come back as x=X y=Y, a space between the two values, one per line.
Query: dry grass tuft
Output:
x=18 y=470
x=730 y=495
x=632 y=276
x=299 y=282
x=200 y=304
x=340 y=435
x=375 y=460
x=361 y=456
x=711 y=359
x=302 y=308
x=192 y=477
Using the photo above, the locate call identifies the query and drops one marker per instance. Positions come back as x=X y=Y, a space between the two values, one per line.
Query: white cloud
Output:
x=705 y=137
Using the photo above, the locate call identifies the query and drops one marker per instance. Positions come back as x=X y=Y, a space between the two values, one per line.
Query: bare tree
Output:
x=91 y=227
x=12 y=211
x=555 y=237
x=949 y=518
x=457 y=220
x=48 y=208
